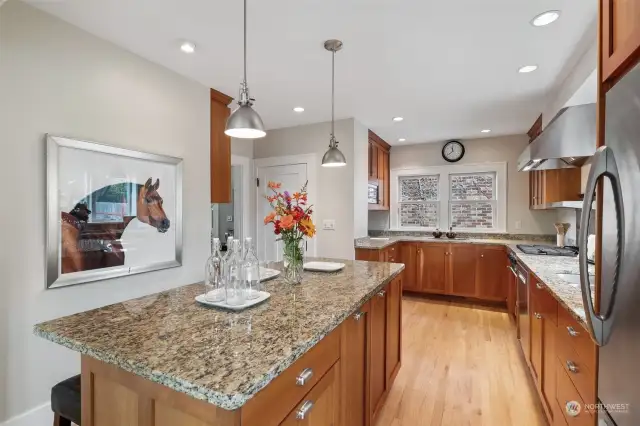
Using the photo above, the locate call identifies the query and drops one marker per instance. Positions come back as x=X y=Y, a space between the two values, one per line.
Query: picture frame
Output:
x=107 y=214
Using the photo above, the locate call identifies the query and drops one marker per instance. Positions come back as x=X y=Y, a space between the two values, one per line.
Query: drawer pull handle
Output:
x=572 y=332
x=537 y=315
x=539 y=286
x=304 y=410
x=358 y=316
x=304 y=377
x=571 y=366
x=382 y=293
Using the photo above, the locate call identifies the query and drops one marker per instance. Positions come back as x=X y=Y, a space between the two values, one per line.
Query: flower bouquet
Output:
x=291 y=219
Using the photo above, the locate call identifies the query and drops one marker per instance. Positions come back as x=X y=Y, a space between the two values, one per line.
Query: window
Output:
x=467 y=197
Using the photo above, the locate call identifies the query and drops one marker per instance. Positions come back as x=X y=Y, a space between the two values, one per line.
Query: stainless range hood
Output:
x=567 y=141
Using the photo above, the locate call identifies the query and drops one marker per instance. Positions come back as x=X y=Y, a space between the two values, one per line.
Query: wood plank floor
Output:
x=461 y=365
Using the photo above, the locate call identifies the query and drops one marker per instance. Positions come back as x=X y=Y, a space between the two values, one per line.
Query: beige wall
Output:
x=335 y=198
x=498 y=149
x=59 y=79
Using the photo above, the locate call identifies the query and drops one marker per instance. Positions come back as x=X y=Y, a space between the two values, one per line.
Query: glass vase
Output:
x=293 y=260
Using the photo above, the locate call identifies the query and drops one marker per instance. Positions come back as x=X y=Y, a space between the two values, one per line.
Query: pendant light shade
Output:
x=333 y=157
x=244 y=122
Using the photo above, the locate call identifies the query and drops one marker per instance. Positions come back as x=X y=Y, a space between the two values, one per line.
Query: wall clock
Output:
x=453 y=151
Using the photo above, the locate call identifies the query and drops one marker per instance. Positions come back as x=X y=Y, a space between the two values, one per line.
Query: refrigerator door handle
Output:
x=603 y=165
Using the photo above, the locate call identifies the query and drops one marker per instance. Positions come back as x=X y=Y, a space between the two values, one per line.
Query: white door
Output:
x=292 y=177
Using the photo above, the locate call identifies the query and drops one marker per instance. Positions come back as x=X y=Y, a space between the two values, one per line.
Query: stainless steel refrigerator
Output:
x=616 y=327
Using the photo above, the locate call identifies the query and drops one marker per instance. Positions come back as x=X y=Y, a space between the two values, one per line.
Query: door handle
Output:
x=303 y=377
x=603 y=165
x=358 y=316
x=304 y=410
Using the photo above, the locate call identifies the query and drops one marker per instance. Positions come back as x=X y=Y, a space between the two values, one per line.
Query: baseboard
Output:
x=39 y=416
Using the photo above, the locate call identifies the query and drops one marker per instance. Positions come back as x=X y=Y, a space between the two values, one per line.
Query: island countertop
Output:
x=221 y=357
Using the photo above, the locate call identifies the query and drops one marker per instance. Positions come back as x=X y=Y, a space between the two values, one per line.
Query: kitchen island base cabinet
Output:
x=377 y=374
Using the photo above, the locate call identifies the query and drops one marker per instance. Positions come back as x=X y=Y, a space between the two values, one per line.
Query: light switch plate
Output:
x=329 y=225
x=518 y=224
x=229 y=218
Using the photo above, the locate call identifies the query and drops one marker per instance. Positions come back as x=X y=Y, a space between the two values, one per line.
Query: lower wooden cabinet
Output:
x=321 y=406
x=431 y=263
x=491 y=273
x=408 y=256
x=354 y=356
x=462 y=269
x=378 y=342
x=394 y=330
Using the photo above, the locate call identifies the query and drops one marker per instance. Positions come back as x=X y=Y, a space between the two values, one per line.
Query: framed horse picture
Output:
x=111 y=212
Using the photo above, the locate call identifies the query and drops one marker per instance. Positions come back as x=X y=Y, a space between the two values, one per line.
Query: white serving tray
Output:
x=267 y=274
x=263 y=295
x=323 y=266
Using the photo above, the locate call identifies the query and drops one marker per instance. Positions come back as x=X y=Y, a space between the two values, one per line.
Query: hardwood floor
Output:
x=461 y=365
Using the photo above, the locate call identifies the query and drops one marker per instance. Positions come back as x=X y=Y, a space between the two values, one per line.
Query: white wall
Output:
x=499 y=149
x=56 y=78
x=335 y=198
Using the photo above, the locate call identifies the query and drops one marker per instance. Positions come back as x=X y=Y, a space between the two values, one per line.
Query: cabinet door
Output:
x=377 y=361
x=549 y=361
x=321 y=406
x=512 y=309
x=620 y=36
x=394 y=323
x=432 y=267
x=535 y=356
x=492 y=274
x=408 y=256
x=381 y=174
x=353 y=361
x=386 y=181
x=462 y=261
x=374 y=161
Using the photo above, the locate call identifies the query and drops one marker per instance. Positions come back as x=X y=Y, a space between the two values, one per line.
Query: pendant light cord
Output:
x=245 y=42
x=333 y=93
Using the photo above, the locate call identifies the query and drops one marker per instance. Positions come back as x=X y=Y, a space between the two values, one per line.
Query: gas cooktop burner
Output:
x=548 y=250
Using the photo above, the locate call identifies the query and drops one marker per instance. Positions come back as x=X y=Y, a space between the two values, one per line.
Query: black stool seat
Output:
x=65 y=399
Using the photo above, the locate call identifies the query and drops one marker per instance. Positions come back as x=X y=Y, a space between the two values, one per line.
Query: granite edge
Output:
x=224 y=401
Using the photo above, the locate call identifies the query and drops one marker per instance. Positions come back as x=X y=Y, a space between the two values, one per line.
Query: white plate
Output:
x=263 y=295
x=323 y=266
x=267 y=274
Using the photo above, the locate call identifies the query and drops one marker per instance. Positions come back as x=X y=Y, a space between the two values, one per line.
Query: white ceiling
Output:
x=448 y=67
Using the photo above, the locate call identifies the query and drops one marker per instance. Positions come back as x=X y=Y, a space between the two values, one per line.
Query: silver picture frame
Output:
x=54 y=276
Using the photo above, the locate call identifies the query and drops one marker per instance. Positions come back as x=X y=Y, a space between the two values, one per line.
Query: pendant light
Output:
x=244 y=122
x=333 y=157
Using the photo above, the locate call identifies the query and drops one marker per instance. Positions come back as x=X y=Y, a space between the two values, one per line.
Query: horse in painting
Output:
x=86 y=245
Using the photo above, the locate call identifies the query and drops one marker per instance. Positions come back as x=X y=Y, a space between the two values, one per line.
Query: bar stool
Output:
x=65 y=402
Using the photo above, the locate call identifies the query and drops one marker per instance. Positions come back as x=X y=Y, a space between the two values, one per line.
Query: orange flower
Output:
x=310 y=228
x=274 y=185
x=270 y=217
x=296 y=196
x=286 y=222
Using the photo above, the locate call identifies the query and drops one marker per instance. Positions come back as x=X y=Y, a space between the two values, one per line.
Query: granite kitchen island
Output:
x=329 y=347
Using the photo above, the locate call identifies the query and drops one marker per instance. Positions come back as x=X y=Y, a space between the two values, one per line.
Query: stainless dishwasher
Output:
x=523 y=307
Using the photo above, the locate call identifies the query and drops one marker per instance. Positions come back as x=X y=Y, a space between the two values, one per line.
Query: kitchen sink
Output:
x=574 y=279
x=379 y=238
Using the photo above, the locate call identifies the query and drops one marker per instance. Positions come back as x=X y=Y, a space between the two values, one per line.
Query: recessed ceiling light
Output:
x=398 y=118
x=545 y=18
x=401 y=140
x=188 y=47
x=485 y=130
x=528 y=69
x=298 y=109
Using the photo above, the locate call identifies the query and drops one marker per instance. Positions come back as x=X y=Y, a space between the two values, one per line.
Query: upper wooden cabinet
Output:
x=379 y=170
x=220 y=148
x=620 y=37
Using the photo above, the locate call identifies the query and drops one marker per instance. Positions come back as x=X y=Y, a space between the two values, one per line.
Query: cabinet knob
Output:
x=358 y=316
x=572 y=332
x=571 y=366
x=482 y=255
x=304 y=410
x=304 y=377
x=539 y=286
x=382 y=293
x=537 y=315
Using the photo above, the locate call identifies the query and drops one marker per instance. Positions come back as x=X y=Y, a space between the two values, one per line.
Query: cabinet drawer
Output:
x=570 y=332
x=546 y=304
x=582 y=376
x=566 y=392
x=272 y=404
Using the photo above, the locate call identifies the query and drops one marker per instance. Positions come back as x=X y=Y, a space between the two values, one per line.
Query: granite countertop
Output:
x=547 y=268
x=221 y=357
x=380 y=243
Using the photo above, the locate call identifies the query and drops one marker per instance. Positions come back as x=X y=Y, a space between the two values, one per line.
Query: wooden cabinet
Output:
x=379 y=170
x=321 y=406
x=354 y=357
x=394 y=330
x=492 y=274
x=431 y=261
x=220 y=148
x=512 y=293
x=408 y=256
x=620 y=37
x=462 y=269
x=535 y=354
x=378 y=343
x=391 y=253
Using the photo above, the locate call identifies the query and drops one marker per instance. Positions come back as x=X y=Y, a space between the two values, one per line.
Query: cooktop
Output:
x=548 y=250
